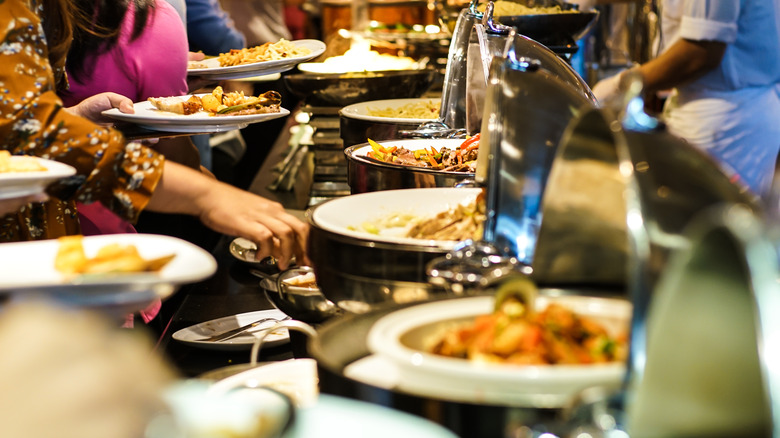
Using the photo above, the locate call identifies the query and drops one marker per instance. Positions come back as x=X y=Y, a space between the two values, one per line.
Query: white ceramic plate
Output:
x=195 y=334
x=358 y=419
x=147 y=116
x=346 y=215
x=28 y=271
x=17 y=184
x=195 y=411
x=214 y=71
x=362 y=110
x=400 y=338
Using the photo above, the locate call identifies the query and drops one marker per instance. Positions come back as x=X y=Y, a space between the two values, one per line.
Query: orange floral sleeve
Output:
x=33 y=122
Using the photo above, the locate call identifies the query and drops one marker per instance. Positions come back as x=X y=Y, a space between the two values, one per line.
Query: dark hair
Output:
x=104 y=31
x=59 y=19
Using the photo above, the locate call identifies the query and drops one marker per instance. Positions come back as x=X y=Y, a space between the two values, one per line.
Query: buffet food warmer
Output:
x=324 y=95
x=591 y=201
x=497 y=34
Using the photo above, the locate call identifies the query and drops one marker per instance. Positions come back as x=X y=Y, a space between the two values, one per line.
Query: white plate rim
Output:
x=437 y=193
x=317 y=48
x=242 y=342
x=359 y=110
x=146 y=115
x=16 y=184
x=200 y=264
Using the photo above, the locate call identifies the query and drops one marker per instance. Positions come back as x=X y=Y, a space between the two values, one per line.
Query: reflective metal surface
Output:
x=527 y=109
x=356 y=131
x=711 y=366
x=367 y=175
x=547 y=27
x=349 y=88
x=359 y=274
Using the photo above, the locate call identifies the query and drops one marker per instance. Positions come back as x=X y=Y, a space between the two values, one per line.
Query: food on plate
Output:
x=517 y=334
x=360 y=58
x=219 y=103
x=112 y=258
x=19 y=163
x=507 y=8
x=461 y=222
x=427 y=109
x=461 y=159
x=266 y=52
x=306 y=280
x=281 y=49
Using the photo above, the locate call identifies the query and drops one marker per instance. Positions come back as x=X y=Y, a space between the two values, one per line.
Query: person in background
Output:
x=126 y=177
x=720 y=59
x=137 y=49
x=210 y=29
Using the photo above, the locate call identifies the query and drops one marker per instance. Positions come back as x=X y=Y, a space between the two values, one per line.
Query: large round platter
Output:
x=399 y=340
x=214 y=71
x=147 y=116
x=18 y=184
x=363 y=110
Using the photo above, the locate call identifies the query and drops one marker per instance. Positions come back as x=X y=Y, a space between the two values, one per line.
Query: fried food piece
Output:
x=112 y=258
x=70 y=256
x=20 y=164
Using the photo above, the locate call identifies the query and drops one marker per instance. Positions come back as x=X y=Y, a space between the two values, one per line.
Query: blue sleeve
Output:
x=210 y=29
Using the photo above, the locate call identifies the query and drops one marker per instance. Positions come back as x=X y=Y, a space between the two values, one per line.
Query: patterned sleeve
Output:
x=34 y=122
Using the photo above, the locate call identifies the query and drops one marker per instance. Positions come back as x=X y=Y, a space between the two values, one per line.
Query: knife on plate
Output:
x=238 y=330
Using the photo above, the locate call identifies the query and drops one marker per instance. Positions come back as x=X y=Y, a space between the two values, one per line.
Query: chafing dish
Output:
x=533 y=28
x=321 y=89
x=368 y=175
x=358 y=269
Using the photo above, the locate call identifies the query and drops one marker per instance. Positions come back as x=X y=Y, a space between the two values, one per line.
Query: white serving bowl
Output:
x=401 y=338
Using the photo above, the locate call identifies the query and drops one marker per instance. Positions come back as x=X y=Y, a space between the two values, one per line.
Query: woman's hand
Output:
x=233 y=212
x=239 y=213
x=92 y=107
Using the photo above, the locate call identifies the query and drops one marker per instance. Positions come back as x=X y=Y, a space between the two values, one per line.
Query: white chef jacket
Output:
x=733 y=111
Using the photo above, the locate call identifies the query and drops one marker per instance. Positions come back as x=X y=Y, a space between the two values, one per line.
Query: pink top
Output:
x=153 y=65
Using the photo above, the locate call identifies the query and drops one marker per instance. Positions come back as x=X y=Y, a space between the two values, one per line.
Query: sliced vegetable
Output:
x=239 y=107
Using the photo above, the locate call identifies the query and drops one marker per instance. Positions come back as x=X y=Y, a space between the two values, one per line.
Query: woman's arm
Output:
x=231 y=211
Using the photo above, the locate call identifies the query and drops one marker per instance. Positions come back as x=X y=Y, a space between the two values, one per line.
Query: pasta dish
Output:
x=265 y=52
x=507 y=8
x=418 y=110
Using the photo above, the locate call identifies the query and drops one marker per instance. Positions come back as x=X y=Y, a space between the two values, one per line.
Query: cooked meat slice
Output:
x=176 y=104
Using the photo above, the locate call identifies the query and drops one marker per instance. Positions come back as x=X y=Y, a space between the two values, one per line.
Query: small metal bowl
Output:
x=295 y=292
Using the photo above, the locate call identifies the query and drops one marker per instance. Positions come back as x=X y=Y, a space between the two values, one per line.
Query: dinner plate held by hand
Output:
x=147 y=116
x=212 y=70
x=18 y=184
x=195 y=335
x=28 y=271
